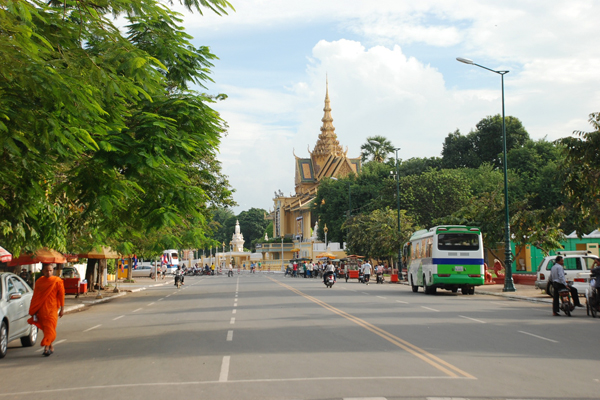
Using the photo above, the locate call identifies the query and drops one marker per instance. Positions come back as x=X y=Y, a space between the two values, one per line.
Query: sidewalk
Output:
x=523 y=292
x=74 y=304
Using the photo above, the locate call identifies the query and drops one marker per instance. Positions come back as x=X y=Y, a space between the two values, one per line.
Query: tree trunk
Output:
x=129 y=269
x=101 y=268
x=89 y=273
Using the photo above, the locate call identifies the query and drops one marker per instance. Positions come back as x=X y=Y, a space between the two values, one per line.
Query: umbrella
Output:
x=43 y=255
x=5 y=256
x=105 y=253
x=326 y=255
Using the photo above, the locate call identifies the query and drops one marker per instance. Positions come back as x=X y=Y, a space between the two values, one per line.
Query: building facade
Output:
x=291 y=215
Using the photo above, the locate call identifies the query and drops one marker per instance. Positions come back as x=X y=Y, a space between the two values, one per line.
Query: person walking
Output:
x=47 y=305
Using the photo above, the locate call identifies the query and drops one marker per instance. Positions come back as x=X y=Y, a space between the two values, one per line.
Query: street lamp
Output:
x=508 y=280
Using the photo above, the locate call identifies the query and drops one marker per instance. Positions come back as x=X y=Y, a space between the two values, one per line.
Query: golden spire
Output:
x=327 y=143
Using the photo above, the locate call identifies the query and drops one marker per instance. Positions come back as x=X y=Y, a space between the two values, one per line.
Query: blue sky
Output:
x=392 y=72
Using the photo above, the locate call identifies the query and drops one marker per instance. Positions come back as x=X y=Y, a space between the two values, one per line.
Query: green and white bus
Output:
x=447 y=257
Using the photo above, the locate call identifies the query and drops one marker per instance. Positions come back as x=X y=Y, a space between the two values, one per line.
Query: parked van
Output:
x=577 y=267
x=171 y=257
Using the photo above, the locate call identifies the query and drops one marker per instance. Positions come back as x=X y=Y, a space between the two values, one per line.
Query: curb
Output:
x=72 y=308
x=104 y=299
x=515 y=297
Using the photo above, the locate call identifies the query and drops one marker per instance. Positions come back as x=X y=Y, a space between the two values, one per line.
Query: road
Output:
x=270 y=337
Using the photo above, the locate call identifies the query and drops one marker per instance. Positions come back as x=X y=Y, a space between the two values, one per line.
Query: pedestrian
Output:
x=295 y=270
x=310 y=269
x=557 y=277
x=305 y=268
x=47 y=305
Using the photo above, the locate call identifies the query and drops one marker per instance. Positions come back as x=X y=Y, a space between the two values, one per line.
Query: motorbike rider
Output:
x=557 y=277
x=380 y=273
x=329 y=270
x=179 y=275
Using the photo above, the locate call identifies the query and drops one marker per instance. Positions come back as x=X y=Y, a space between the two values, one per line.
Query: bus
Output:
x=447 y=257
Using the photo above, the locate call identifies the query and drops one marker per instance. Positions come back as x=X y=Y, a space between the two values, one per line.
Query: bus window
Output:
x=417 y=253
x=458 y=241
x=429 y=247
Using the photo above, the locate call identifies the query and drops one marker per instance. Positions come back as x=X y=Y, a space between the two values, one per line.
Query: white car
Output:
x=15 y=298
x=577 y=267
x=142 y=271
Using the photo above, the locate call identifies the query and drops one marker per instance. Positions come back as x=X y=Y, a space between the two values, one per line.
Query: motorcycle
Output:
x=380 y=277
x=178 y=282
x=330 y=280
x=361 y=277
x=566 y=304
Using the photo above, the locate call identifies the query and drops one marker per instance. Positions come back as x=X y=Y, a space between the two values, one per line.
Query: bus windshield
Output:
x=458 y=241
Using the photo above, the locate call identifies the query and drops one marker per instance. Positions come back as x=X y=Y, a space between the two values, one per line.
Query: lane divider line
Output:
x=232 y=321
x=229 y=336
x=234 y=311
x=473 y=319
x=224 y=369
x=381 y=297
x=136 y=310
x=403 y=302
x=93 y=327
x=119 y=317
x=150 y=304
x=430 y=309
x=539 y=337
x=161 y=299
x=436 y=362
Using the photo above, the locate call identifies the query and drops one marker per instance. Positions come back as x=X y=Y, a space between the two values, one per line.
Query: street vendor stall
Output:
x=352 y=266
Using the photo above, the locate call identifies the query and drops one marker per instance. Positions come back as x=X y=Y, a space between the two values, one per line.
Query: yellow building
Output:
x=291 y=214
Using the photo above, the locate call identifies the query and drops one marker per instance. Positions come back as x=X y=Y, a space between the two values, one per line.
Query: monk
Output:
x=47 y=305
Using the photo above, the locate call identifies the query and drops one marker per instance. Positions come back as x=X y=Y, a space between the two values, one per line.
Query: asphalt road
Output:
x=269 y=337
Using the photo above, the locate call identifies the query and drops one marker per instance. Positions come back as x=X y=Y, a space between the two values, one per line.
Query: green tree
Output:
x=484 y=144
x=101 y=138
x=253 y=225
x=377 y=148
x=375 y=234
x=581 y=170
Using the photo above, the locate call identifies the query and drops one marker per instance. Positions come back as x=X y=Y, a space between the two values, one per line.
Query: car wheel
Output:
x=414 y=288
x=3 y=339
x=550 y=289
x=29 y=340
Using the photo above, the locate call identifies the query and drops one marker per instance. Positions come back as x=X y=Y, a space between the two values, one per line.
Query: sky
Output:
x=392 y=71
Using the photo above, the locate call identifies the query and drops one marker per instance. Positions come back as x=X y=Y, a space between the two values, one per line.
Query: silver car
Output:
x=15 y=297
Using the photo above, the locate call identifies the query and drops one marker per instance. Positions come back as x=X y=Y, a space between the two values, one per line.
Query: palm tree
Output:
x=377 y=147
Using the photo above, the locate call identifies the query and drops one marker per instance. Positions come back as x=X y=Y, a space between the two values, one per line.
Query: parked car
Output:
x=15 y=298
x=69 y=272
x=142 y=271
x=577 y=266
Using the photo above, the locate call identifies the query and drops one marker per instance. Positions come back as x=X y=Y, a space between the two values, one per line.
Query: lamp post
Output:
x=281 y=253
x=398 y=207
x=508 y=280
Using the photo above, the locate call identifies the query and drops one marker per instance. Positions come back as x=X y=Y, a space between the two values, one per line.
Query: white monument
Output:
x=237 y=240
x=315 y=230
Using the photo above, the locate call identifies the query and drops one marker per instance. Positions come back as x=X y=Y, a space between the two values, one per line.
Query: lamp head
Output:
x=465 y=60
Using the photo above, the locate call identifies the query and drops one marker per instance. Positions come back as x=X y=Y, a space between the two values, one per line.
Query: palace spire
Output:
x=327 y=143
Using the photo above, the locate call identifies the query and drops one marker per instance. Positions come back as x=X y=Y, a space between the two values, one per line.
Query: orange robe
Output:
x=48 y=297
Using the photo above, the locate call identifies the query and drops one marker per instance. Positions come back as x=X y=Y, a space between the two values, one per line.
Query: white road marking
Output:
x=232 y=321
x=150 y=304
x=93 y=327
x=229 y=336
x=364 y=293
x=235 y=304
x=224 y=369
x=473 y=319
x=431 y=309
x=54 y=344
x=400 y=301
x=196 y=383
x=168 y=296
x=381 y=297
x=234 y=311
x=136 y=310
x=119 y=317
x=364 y=398
x=539 y=337
x=161 y=299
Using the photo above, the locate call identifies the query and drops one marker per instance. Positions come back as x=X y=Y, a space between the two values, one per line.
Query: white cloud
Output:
x=376 y=88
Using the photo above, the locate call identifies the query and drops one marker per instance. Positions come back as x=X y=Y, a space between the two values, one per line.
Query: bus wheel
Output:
x=414 y=288
x=454 y=289
x=464 y=289
x=472 y=290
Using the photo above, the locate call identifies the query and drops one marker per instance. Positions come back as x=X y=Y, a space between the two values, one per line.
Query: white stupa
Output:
x=237 y=240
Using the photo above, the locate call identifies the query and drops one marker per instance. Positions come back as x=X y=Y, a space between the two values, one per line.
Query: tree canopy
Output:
x=103 y=141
